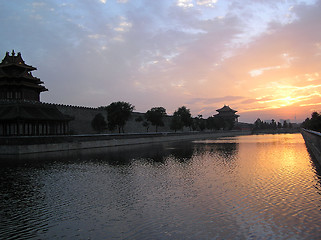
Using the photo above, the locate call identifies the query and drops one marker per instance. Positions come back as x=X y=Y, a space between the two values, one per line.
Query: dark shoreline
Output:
x=40 y=144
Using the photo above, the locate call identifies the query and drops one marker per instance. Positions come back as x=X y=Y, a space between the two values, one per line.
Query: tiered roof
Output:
x=14 y=72
x=226 y=109
x=227 y=113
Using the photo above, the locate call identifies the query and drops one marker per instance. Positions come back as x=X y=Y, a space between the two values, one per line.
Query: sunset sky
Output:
x=262 y=58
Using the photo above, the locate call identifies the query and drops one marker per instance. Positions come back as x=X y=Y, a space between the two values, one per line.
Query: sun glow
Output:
x=288 y=100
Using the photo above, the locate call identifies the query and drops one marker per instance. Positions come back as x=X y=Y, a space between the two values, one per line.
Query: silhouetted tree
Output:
x=215 y=123
x=139 y=119
x=306 y=123
x=228 y=124
x=118 y=114
x=199 y=123
x=273 y=124
x=146 y=125
x=176 y=122
x=258 y=124
x=279 y=125
x=185 y=116
x=210 y=123
x=155 y=116
x=314 y=123
x=98 y=123
x=285 y=124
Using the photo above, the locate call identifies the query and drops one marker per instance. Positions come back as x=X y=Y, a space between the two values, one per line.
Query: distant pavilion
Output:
x=227 y=114
x=21 y=112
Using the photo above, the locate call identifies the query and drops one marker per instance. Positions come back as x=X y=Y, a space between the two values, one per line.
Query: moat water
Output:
x=246 y=187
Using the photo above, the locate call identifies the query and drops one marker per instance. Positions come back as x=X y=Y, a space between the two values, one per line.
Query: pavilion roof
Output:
x=23 y=83
x=15 y=60
x=14 y=71
x=226 y=109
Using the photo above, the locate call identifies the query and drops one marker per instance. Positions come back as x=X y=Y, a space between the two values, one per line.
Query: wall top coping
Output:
x=313 y=132
x=14 y=101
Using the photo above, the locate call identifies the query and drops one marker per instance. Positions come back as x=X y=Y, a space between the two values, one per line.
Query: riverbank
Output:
x=313 y=142
x=40 y=144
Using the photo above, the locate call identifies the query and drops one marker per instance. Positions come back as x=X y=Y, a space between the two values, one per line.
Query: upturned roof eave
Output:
x=20 y=65
x=34 y=86
x=226 y=109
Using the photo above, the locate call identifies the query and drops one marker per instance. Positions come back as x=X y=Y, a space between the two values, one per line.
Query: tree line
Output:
x=118 y=113
x=259 y=125
x=313 y=123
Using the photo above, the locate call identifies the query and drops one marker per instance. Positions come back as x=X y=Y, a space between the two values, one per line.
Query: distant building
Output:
x=21 y=112
x=227 y=114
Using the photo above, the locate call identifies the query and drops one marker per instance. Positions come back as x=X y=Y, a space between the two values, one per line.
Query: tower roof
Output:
x=226 y=109
x=15 y=60
x=16 y=80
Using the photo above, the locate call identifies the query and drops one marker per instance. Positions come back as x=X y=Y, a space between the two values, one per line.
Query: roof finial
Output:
x=12 y=53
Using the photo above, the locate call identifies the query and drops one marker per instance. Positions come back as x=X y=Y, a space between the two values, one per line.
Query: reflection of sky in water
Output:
x=263 y=138
x=248 y=187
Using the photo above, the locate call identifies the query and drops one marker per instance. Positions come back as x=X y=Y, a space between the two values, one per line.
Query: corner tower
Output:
x=21 y=112
x=16 y=80
x=227 y=113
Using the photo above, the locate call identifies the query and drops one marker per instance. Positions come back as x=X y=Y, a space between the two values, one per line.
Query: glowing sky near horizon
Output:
x=262 y=58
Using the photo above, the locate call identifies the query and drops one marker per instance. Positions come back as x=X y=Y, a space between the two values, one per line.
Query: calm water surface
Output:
x=247 y=187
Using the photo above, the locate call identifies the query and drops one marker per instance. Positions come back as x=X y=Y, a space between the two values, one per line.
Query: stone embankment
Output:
x=38 y=144
x=313 y=142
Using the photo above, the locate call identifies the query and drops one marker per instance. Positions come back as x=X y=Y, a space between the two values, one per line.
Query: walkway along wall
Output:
x=313 y=142
x=38 y=144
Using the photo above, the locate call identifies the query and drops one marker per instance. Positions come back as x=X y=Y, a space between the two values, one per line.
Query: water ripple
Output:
x=251 y=187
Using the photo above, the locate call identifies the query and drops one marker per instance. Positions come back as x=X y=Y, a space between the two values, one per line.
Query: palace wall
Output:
x=82 y=117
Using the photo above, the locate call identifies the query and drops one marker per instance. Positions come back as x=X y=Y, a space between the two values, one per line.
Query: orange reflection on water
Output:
x=277 y=172
x=266 y=177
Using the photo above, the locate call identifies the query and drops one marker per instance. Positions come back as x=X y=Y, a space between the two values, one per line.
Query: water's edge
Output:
x=313 y=142
x=26 y=146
